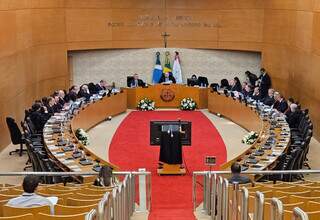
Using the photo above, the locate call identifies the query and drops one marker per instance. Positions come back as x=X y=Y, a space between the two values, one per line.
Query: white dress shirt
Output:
x=30 y=200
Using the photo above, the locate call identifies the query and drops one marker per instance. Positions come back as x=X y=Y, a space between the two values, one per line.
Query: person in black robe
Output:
x=73 y=94
x=167 y=78
x=269 y=99
x=280 y=104
x=136 y=82
x=256 y=94
x=84 y=92
x=170 y=146
x=102 y=85
x=265 y=82
x=236 y=85
x=251 y=77
x=247 y=91
x=224 y=84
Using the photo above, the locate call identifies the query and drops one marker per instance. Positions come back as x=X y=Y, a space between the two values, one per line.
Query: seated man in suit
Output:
x=247 y=91
x=269 y=99
x=84 y=92
x=29 y=198
x=167 y=78
x=136 y=82
x=102 y=85
x=280 y=104
x=73 y=94
x=236 y=176
x=256 y=94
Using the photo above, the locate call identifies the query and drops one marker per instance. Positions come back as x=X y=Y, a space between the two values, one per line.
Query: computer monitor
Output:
x=157 y=126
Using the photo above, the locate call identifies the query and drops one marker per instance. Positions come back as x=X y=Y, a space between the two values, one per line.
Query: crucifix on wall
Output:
x=165 y=36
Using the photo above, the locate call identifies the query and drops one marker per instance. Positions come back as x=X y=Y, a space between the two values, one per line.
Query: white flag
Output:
x=176 y=70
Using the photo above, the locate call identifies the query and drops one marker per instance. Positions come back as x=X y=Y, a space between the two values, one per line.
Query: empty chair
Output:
x=87 y=196
x=82 y=202
x=12 y=211
x=43 y=216
x=70 y=210
x=19 y=217
x=15 y=135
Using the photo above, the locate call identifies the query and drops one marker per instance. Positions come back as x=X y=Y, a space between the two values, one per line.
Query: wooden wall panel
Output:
x=88 y=25
x=241 y=25
x=291 y=51
x=37 y=34
x=8 y=33
x=48 y=26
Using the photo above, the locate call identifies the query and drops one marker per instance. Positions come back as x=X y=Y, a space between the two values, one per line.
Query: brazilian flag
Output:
x=167 y=64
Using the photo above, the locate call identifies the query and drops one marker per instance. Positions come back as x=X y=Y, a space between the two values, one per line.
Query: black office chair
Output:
x=129 y=80
x=203 y=81
x=16 y=136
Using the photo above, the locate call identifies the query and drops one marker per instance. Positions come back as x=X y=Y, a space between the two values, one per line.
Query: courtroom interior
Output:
x=160 y=110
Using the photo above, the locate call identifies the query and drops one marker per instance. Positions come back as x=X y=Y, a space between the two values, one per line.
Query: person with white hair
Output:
x=280 y=104
x=293 y=118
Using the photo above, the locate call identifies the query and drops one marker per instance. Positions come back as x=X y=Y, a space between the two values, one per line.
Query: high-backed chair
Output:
x=15 y=135
x=82 y=202
x=71 y=210
x=13 y=211
x=43 y=216
x=19 y=217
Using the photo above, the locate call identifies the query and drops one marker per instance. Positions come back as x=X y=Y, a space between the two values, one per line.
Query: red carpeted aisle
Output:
x=171 y=195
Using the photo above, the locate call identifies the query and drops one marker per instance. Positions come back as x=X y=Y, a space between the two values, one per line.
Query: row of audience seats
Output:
x=304 y=194
x=75 y=201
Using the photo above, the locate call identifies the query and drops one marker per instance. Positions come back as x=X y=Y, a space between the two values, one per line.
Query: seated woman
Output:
x=167 y=78
x=224 y=84
x=105 y=177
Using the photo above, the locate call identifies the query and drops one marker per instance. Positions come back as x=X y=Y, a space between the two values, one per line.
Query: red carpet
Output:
x=171 y=195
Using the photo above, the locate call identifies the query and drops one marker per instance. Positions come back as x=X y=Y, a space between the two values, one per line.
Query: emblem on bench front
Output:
x=167 y=95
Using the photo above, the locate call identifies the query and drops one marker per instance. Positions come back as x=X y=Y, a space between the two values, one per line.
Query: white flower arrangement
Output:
x=146 y=105
x=188 y=104
x=82 y=136
x=250 y=138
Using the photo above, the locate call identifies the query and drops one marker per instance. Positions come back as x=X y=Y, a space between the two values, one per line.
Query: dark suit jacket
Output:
x=140 y=83
x=71 y=96
x=84 y=94
x=281 y=106
x=237 y=88
x=256 y=97
x=268 y=100
x=247 y=94
x=265 y=84
x=163 y=79
x=99 y=87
